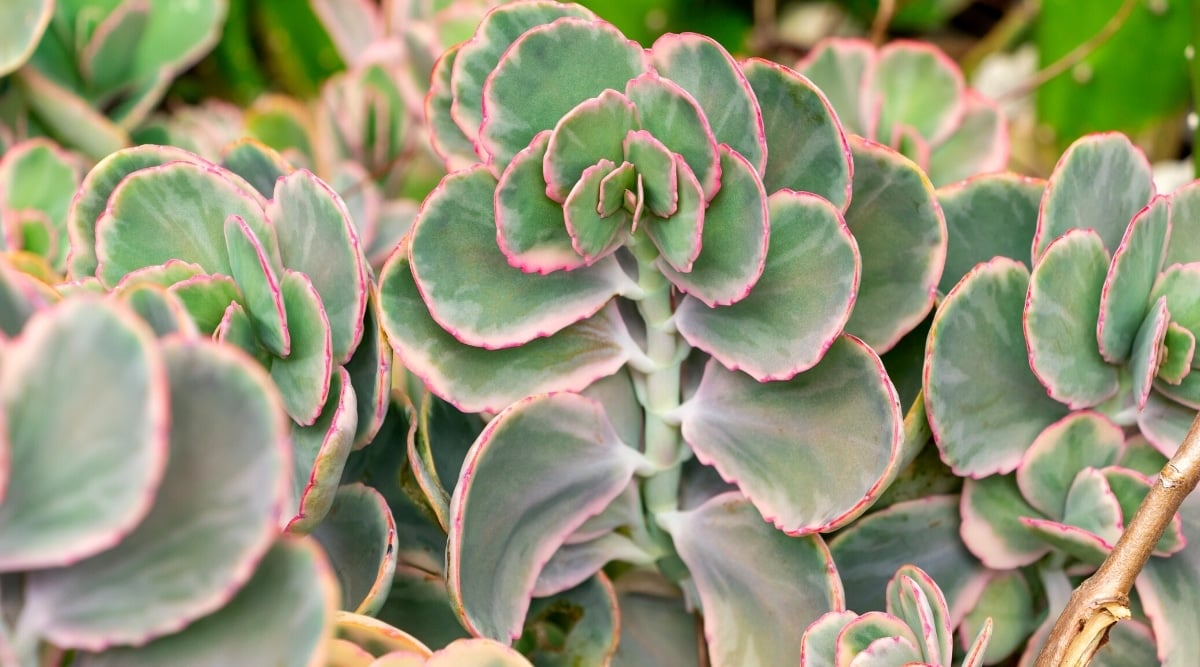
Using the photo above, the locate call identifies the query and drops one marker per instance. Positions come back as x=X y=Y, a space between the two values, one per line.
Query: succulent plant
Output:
x=1102 y=322
x=1035 y=379
x=102 y=67
x=656 y=258
x=143 y=529
x=37 y=181
x=912 y=97
x=915 y=629
x=356 y=137
x=282 y=278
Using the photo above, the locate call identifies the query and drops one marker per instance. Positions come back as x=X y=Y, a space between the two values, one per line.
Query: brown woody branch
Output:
x=1103 y=599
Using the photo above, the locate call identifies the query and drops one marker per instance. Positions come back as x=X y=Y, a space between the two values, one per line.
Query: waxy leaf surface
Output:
x=736 y=231
x=140 y=226
x=282 y=616
x=583 y=57
x=699 y=65
x=519 y=497
x=798 y=306
x=303 y=375
x=317 y=238
x=78 y=485
x=759 y=587
x=901 y=236
x=1062 y=308
x=1100 y=182
x=806 y=149
x=319 y=454
x=923 y=532
x=359 y=536
x=840 y=420
x=476 y=379
x=1135 y=267
x=494 y=305
x=984 y=427
x=479 y=56
x=226 y=477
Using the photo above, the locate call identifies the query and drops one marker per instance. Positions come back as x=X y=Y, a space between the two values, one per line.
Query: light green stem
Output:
x=661 y=397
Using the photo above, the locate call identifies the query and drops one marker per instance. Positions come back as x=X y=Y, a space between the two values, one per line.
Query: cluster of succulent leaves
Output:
x=664 y=344
x=912 y=97
x=914 y=629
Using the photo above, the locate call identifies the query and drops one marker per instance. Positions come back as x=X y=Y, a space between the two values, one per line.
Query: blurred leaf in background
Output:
x=911 y=15
x=727 y=21
x=1135 y=82
x=276 y=45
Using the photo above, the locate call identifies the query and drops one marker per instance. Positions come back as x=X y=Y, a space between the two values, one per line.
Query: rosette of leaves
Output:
x=1063 y=509
x=650 y=260
x=1104 y=320
x=912 y=97
x=915 y=629
x=102 y=66
x=1095 y=340
x=283 y=278
x=144 y=529
x=37 y=181
x=356 y=137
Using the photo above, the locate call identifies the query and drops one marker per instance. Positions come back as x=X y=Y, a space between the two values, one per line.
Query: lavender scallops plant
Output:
x=139 y=525
x=277 y=272
x=1059 y=388
x=911 y=96
x=652 y=256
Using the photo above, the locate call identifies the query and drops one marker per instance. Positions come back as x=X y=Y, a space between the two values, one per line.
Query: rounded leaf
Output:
x=984 y=427
x=1099 y=183
x=479 y=56
x=1062 y=308
x=359 y=536
x=1135 y=267
x=318 y=239
x=583 y=58
x=901 y=236
x=303 y=376
x=699 y=65
x=986 y=216
x=84 y=464
x=494 y=305
x=1079 y=440
x=319 y=453
x=476 y=379
x=21 y=26
x=282 y=616
x=736 y=232
x=798 y=306
x=922 y=532
x=520 y=494
x=759 y=587
x=806 y=148
x=149 y=208
x=811 y=452
x=226 y=479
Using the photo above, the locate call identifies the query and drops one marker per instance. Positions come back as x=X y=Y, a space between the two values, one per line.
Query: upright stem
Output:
x=1103 y=599
x=664 y=349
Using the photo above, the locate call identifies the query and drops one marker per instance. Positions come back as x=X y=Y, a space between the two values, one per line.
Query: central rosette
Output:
x=617 y=165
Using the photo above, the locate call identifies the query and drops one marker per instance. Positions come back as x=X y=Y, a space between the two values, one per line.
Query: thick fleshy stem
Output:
x=662 y=384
